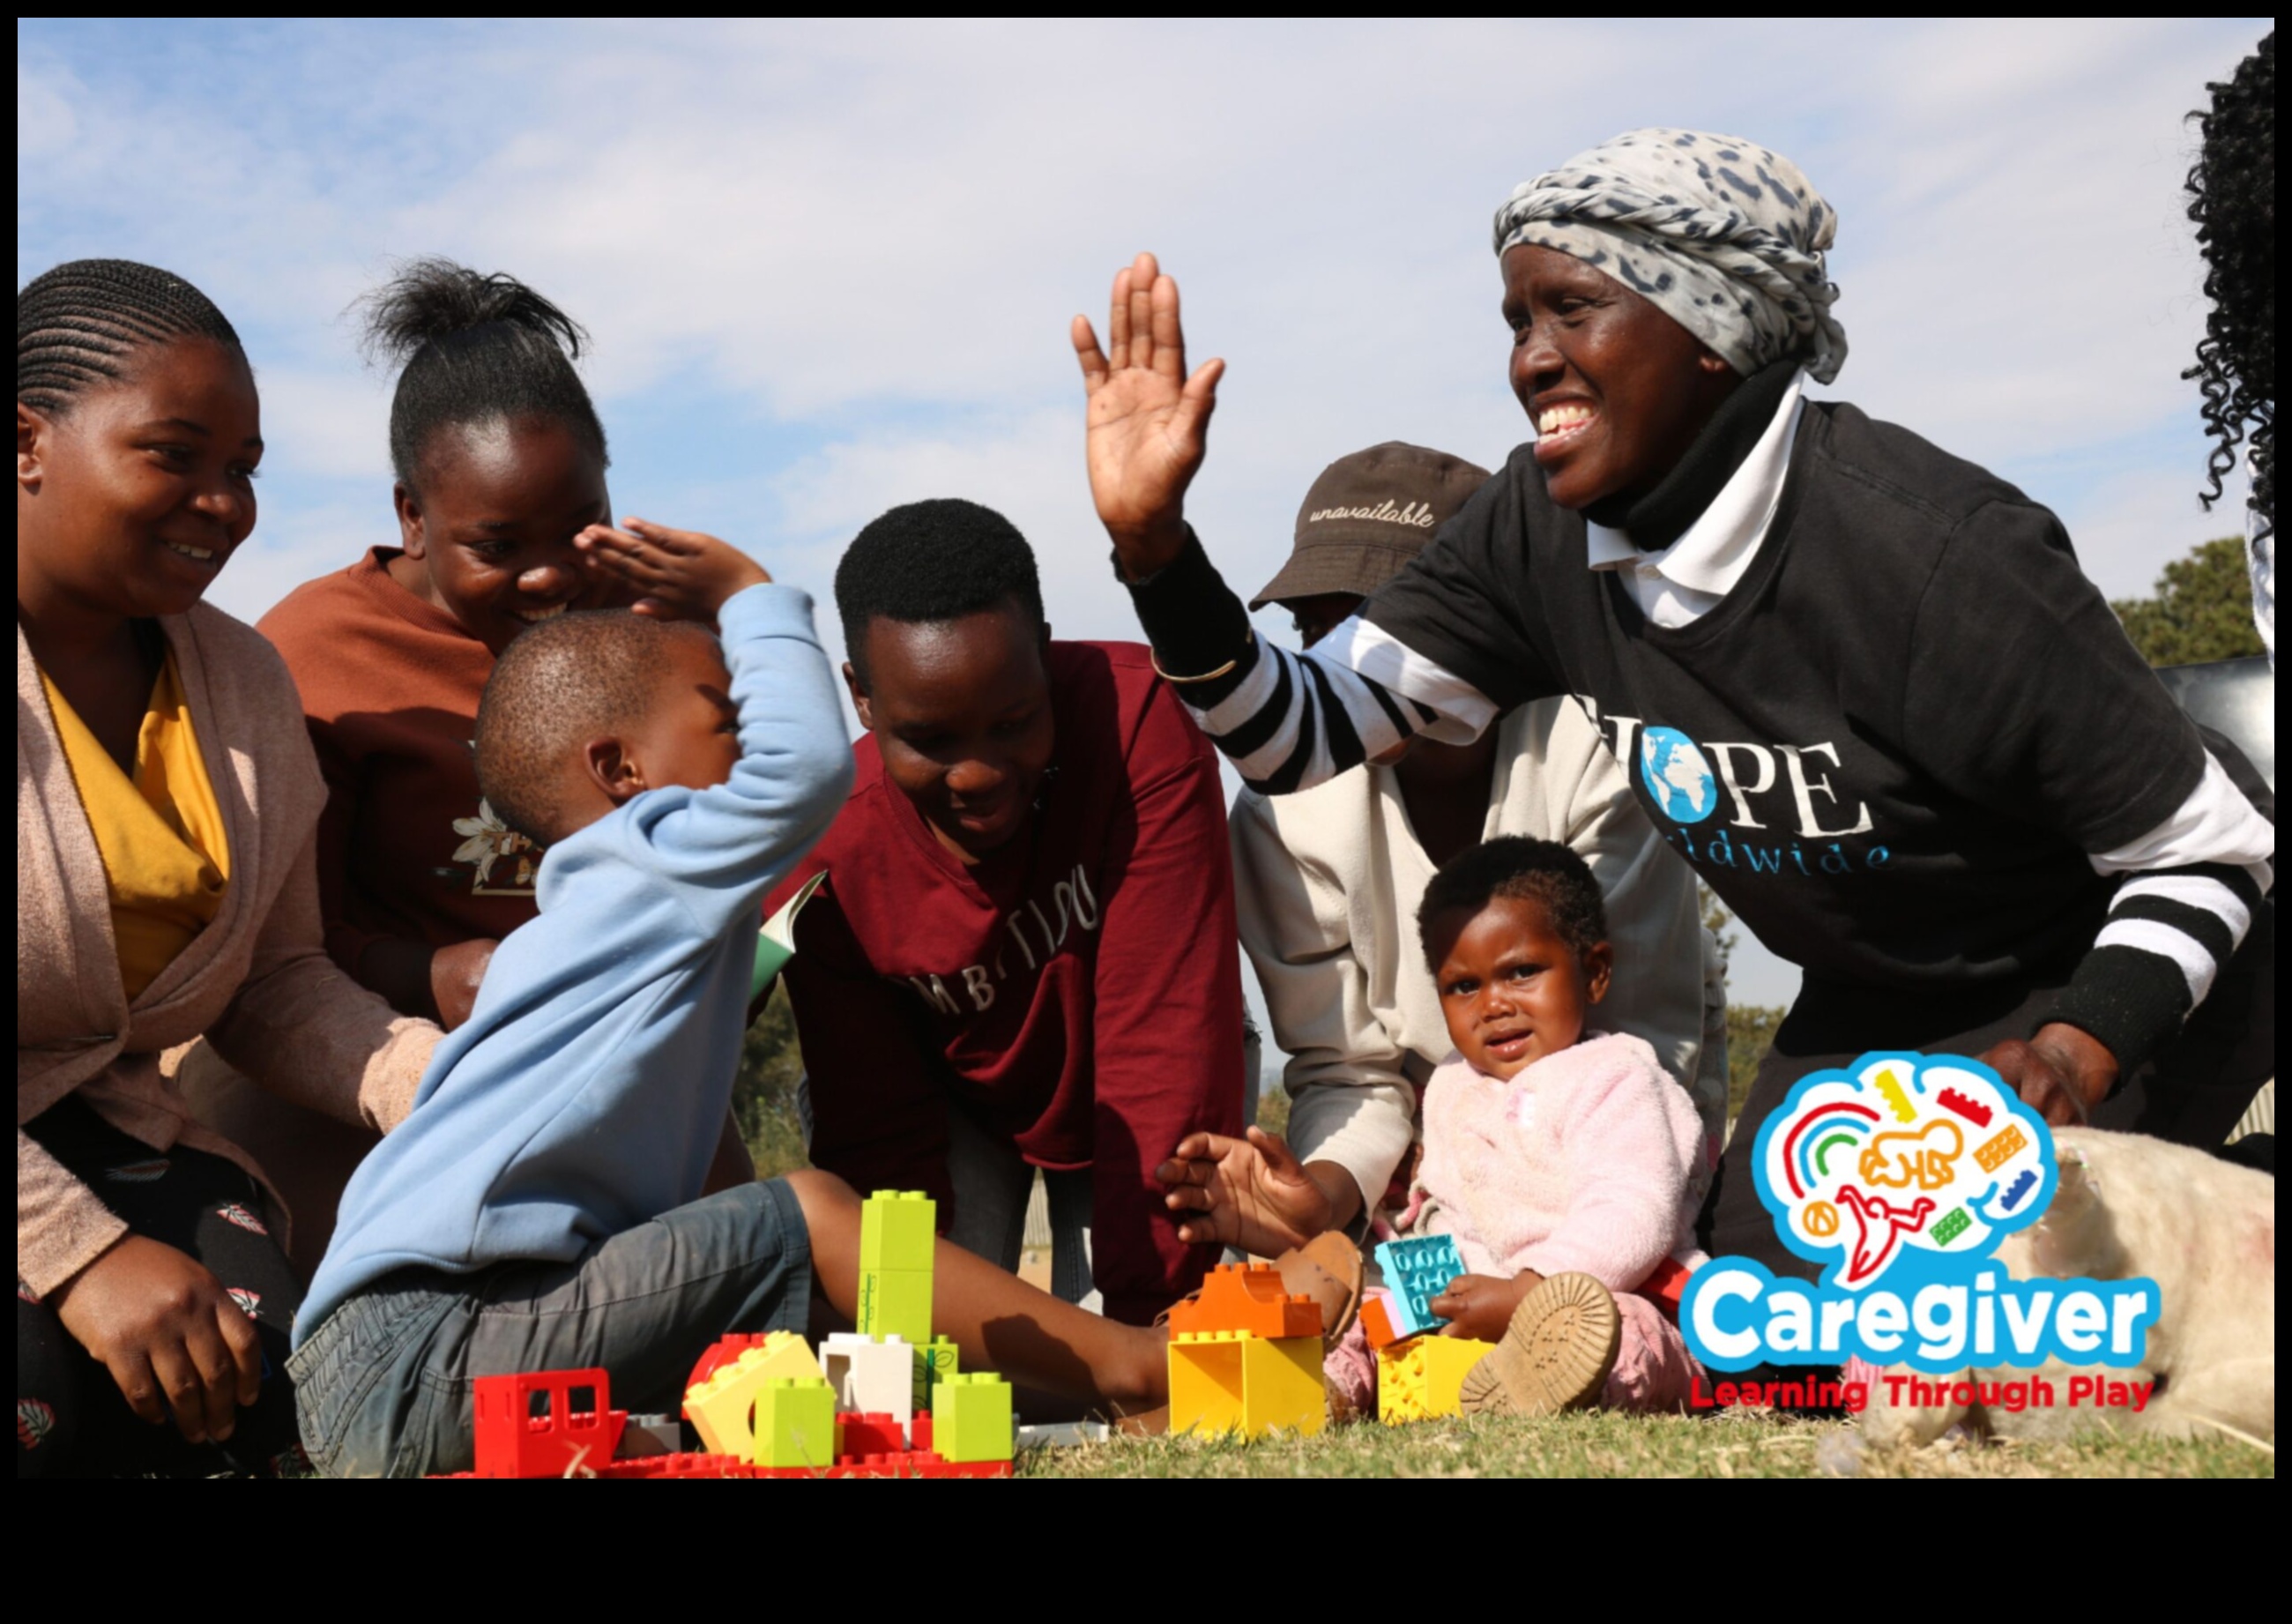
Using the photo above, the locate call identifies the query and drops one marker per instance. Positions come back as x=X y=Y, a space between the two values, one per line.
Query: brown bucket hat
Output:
x=1367 y=515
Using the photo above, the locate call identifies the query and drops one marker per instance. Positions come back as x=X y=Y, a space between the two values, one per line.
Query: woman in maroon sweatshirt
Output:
x=1024 y=955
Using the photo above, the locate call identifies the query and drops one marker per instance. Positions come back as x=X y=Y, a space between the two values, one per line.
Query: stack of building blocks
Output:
x=896 y=1235
x=721 y=1405
x=1246 y=1356
x=885 y=1401
x=1424 y=1377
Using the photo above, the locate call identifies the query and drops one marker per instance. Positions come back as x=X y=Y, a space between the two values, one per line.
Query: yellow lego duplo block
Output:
x=935 y=1361
x=721 y=1408
x=896 y=1230
x=1231 y=1382
x=795 y=1424
x=896 y=1303
x=1424 y=1377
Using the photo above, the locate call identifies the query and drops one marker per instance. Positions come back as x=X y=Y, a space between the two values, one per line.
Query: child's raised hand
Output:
x=1148 y=421
x=1251 y=1192
x=678 y=575
x=1480 y=1305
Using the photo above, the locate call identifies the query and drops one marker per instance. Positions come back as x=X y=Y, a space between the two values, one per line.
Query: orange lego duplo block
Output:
x=1377 y=1323
x=1231 y=1382
x=1247 y=1297
x=1424 y=1377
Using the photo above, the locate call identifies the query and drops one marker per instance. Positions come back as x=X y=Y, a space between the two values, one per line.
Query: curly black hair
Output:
x=77 y=324
x=1518 y=866
x=2232 y=199
x=931 y=562
x=475 y=348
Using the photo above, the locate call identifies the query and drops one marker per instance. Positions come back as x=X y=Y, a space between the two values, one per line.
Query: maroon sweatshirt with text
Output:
x=1077 y=993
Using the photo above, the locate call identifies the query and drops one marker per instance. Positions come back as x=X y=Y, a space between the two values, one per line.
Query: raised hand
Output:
x=1251 y=1192
x=677 y=575
x=1148 y=420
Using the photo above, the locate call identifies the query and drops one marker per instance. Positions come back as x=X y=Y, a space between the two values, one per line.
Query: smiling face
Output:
x=1617 y=391
x=488 y=536
x=132 y=502
x=961 y=712
x=1511 y=989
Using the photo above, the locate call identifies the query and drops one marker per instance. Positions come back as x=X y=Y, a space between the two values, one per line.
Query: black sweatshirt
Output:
x=1889 y=750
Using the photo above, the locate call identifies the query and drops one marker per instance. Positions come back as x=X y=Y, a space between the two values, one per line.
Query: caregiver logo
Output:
x=1901 y=1173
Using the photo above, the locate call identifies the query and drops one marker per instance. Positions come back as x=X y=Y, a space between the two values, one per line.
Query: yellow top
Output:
x=161 y=835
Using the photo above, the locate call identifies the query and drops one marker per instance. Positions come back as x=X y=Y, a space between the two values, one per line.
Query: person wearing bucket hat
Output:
x=1327 y=885
x=1861 y=684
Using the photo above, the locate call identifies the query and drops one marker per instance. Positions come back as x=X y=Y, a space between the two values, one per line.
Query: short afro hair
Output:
x=933 y=562
x=1516 y=866
x=557 y=686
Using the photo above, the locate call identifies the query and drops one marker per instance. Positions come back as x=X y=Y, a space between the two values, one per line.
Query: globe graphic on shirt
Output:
x=1677 y=774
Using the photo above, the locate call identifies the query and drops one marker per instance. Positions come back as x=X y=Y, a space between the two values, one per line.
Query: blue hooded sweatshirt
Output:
x=587 y=1093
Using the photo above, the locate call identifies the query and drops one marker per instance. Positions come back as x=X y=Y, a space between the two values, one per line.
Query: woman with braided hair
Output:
x=1859 y=684
x=2232 y=199
x=166 y=805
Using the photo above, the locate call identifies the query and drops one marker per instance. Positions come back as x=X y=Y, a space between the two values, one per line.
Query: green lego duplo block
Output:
x=896 y=1303
x=971 y=1418
x=896 y=1231
x=934 y=1363
x=796 y=1423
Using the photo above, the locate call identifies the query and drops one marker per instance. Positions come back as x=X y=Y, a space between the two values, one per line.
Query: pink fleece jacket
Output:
x=1581 y=1162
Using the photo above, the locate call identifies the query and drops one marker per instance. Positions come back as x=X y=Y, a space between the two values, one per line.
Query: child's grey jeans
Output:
x=384 y=1386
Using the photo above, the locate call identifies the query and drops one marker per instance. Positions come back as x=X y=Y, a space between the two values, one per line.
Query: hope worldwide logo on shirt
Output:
x=1764 y=808
x=1901 y=1175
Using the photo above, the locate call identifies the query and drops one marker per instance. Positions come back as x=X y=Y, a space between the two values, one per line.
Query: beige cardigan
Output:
x=1326 y=887
x=256 y=982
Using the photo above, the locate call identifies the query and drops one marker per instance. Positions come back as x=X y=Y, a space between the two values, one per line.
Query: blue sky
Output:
x=829 y=267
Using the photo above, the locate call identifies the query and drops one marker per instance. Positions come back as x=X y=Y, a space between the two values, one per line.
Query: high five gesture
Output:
x=1148 y=420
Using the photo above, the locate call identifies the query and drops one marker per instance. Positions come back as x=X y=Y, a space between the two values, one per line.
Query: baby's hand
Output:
x=679 y=575
x=1249 y=1193
x=1480 y=1305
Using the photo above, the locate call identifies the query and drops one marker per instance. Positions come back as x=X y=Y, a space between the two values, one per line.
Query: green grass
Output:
x=1598 y=1444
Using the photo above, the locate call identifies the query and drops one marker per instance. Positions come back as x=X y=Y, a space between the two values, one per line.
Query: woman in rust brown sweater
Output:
x=500 y=462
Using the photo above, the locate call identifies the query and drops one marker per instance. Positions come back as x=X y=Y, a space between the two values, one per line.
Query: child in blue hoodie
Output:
x=540 y=1208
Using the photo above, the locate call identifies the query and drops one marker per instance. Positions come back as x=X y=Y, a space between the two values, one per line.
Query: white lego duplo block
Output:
x=872 y=1375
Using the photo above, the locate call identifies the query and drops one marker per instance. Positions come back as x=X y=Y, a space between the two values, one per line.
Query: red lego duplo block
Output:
x=1248 y=1297
x=873 y=1434
x=722 y=1352
x=1377 y=1324
x=517 y=1437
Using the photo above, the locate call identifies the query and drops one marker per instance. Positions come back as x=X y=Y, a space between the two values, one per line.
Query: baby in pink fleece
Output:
x=1558 y=1159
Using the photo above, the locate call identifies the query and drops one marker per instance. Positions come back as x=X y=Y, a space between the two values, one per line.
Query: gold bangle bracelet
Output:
x=1207 y=676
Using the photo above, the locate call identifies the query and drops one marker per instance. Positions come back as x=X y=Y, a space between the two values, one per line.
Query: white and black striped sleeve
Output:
x=1287 y=720
x=2191 y=887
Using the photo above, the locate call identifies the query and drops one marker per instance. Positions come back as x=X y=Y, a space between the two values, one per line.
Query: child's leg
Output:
x=1653 y=1368
x=997 y=1321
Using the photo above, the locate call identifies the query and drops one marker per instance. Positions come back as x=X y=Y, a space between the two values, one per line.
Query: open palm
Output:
x=1148 y=420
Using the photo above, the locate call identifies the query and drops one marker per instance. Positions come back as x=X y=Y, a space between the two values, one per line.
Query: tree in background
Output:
x=763 y=1096
x=2202 y=608
x=1751 y=1027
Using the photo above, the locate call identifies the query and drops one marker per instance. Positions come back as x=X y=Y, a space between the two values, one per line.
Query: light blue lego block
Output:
x=1417 y=1272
